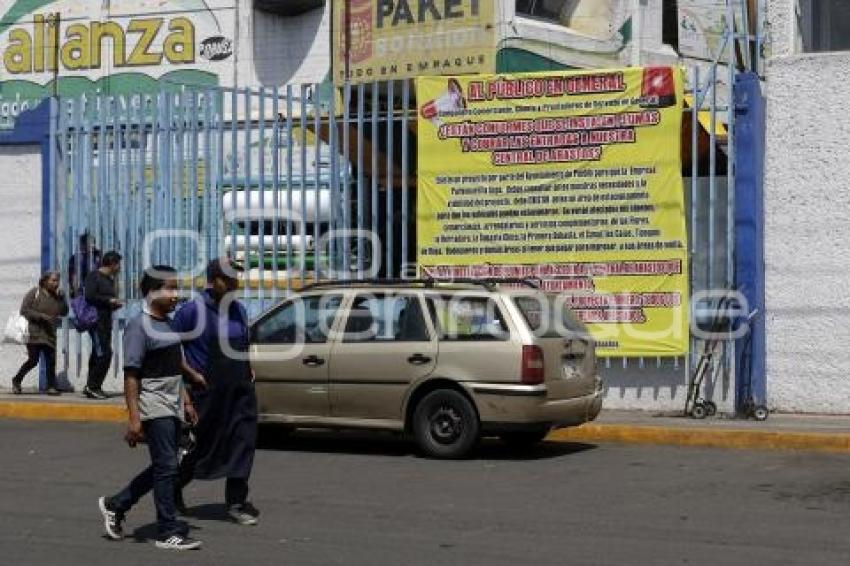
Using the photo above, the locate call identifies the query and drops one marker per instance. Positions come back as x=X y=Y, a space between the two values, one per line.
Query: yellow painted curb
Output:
x=62 y=411
x=592 y=432
x=706 y=437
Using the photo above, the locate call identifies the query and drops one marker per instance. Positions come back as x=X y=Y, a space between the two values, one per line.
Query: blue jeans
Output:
x=162 y=437
x=101 y=354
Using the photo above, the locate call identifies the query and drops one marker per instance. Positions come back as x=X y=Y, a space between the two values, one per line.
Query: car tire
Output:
x=523 y=438
x=445 y=424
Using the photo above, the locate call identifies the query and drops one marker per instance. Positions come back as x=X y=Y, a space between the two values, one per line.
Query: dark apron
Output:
x=226 y=433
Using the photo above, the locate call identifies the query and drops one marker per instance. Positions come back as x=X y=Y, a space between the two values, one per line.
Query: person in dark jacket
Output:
x=86 y=260
x=226 y=433
x=43 y=306
x=101 y=293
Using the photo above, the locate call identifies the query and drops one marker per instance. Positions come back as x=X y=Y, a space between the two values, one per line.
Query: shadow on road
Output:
x=365 y=443
x=148 y=533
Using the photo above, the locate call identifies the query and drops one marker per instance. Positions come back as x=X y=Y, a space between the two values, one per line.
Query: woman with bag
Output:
x=43 y=306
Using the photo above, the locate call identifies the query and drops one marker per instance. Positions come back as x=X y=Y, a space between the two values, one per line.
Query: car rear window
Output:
x=467 y=318
x=547 y=316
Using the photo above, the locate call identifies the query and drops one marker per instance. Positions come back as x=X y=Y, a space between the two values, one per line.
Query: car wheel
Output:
x=523 y=438
x=445 y=424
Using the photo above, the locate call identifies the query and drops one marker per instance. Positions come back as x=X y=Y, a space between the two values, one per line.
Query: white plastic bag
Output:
x=17 y=330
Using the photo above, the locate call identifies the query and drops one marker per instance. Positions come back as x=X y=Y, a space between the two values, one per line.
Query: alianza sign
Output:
x=111 y=48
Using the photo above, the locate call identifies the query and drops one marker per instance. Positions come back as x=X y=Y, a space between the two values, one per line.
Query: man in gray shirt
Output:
x=156 y=403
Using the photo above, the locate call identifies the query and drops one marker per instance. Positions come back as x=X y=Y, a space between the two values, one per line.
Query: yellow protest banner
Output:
x=570 y=177
x=395 y=39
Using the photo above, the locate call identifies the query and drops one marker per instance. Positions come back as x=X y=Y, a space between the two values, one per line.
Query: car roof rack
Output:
x=488 y=283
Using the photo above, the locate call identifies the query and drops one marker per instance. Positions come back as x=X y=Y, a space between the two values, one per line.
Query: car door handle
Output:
x=313 y=361
x=418 y=359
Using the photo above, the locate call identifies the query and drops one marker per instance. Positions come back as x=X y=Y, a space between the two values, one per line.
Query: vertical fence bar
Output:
x=247 y=122
x=156 y=178
x=390 y=185
x=319 y=186
x=361 y=208
x=302 y=224
x=184 y=162
x=171 y=164
x=334 y=180
x=218 y=197
x=83 y=190
x=195 y=215
x=695 y=129
x=116 y=185
x=745 y=36
x=346 y=182
x=141 y=184
x=100 y=172
x=261 y=168
x=289 y=183
x=275 y=155
x=730 y=163
x=729 y=344
x=405 y=192
x=125 y=212
x=59 y=225
x=207 y=223
x=375 y=174
x=712 y=179
x=234 y=145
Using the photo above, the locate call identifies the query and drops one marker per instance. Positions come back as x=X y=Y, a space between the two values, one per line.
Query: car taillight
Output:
x=532 y=365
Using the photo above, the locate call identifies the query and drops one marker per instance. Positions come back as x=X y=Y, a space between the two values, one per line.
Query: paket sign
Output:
x=571 y=177
x=108 y=48
x=395 y=39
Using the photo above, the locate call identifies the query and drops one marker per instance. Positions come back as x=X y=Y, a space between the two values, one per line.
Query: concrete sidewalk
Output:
x=820 y=433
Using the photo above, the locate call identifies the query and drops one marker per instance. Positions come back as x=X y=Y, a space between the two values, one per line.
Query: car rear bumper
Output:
x=529 y=404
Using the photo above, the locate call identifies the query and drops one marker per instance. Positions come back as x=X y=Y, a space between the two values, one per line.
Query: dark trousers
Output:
x=162 y=437
x=34 y=352
x=101 y=354
x=235 y=489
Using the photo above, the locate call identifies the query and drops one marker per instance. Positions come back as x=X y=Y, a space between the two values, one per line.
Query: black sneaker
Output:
x=16 y=387
x=99 y=394
x=112 y=521
x=89 y=393
x=177 y=542
x=53 y=392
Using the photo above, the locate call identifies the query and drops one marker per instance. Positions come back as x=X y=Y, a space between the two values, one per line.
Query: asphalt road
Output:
x=369 y=500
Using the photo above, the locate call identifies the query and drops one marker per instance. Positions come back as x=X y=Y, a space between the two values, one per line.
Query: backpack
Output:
x=85 y=314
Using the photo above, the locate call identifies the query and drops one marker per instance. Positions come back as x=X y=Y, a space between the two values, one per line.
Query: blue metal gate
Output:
x=305 y=183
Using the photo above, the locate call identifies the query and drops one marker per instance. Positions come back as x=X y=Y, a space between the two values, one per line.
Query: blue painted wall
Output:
x=749 y=235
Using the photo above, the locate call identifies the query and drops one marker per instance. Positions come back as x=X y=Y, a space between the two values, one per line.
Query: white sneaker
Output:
x=176 y=542
x=112 y=521
x=240 y=515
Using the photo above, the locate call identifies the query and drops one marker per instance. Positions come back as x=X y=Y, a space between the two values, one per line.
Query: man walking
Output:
x=226 y=434
x=101 y=292
x=156 y=403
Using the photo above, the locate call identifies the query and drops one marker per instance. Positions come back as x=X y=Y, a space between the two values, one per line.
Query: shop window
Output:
x=824 y=25
x=551 y=10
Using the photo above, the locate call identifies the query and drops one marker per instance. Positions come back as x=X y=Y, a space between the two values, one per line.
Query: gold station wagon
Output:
x=445 y=362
